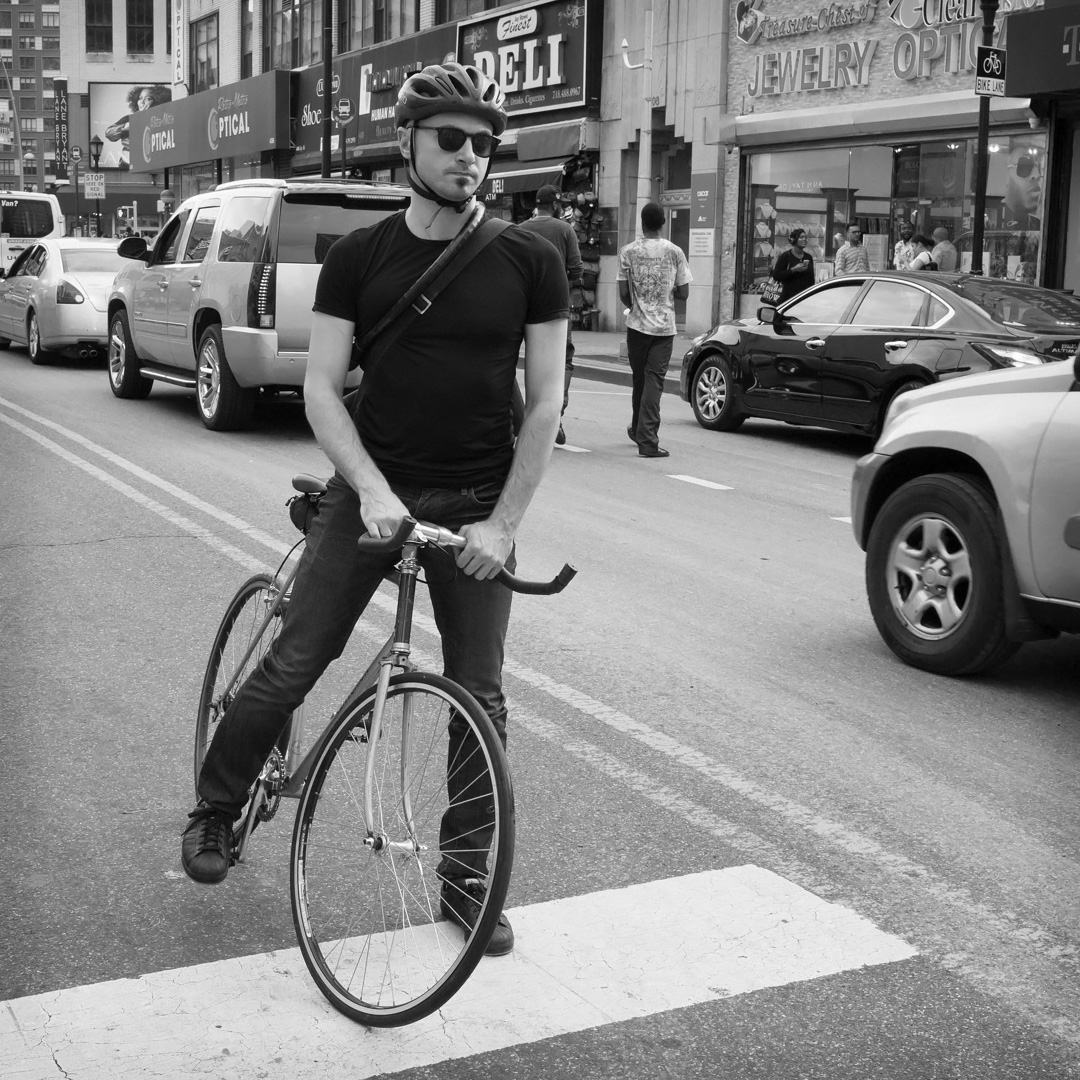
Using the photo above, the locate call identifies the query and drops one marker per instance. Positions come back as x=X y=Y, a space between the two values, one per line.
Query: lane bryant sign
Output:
x=537 y=54
x=230 y=121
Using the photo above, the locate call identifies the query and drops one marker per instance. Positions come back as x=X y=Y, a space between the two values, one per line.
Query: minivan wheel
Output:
x=124 y=377
x=712 y=396
x=224 y=405
x=933 y=576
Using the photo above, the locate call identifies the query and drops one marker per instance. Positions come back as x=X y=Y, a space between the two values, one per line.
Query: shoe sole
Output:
x=451 y=916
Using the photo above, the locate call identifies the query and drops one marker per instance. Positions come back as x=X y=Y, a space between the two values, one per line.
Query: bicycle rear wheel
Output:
x=226 y=669
x=367 y=907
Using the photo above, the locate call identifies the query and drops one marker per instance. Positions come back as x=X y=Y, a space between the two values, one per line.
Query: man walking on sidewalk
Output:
x=559 y=232
x=653 y=274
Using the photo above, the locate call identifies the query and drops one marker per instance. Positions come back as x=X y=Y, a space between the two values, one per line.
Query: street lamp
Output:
x=989 y=10
x=644 y=177
x=95 y=159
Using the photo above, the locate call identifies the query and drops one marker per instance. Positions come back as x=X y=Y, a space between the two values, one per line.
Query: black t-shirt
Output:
x=436 y=408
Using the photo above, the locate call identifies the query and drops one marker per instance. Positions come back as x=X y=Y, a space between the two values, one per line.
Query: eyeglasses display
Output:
x=1025 y=165
x=452 y=139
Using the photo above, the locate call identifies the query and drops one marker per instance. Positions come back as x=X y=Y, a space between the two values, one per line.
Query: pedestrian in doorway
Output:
x=903 y=249
x=548 y=223
x=653 y=274
x=944 y=253
x=794 y=268
x=852 y=258
x=923 y=258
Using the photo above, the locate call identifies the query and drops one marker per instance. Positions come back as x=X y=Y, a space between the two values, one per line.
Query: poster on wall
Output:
x=111 y=106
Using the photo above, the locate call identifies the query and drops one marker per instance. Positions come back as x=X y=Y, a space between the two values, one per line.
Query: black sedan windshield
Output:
x=1015 y=304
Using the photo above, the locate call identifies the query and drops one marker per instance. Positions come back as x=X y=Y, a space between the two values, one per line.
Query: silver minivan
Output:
x=222 y=301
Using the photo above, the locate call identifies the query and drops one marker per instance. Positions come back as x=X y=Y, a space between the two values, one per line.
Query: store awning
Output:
x=951 y=111
x=512 y=175
x=560 y=140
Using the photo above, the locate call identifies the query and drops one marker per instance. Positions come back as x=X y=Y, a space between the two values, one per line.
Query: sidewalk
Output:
x=601 y=355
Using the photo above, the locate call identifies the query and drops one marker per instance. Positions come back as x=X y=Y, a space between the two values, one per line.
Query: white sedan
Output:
x=53 y=299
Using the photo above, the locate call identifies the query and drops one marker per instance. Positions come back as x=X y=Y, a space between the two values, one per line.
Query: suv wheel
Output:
x=124 y=377
x=712 y=396
x=223 y=404
x=933 y=576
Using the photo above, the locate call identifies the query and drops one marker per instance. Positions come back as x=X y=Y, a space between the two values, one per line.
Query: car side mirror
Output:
x=132 y=247
x=767 y=314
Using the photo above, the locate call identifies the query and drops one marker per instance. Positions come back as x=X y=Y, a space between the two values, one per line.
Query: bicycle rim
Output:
x=367 y=909
x=239 y=628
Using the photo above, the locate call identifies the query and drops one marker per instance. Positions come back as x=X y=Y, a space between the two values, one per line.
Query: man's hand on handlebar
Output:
x=486 y=551
x=382 y=514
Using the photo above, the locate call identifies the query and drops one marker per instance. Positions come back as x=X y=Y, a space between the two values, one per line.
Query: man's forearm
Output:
x=531 y=456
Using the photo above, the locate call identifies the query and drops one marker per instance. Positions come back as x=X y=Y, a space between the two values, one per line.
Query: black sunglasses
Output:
x=1025 y=166
x=452 y=139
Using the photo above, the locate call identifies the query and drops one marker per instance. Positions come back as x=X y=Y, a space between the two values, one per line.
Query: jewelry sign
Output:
x=537 y=54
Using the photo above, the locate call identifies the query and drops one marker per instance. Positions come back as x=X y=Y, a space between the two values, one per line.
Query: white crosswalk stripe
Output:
x=579 y=963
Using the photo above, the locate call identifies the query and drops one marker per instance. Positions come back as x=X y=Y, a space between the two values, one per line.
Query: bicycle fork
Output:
x=396 y=657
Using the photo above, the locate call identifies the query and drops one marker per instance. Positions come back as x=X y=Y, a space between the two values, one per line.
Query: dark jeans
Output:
x=569 y=368
x=335 y=583
x=649 y=357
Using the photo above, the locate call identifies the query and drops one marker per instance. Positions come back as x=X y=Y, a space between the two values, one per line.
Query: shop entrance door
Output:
x=677 y=230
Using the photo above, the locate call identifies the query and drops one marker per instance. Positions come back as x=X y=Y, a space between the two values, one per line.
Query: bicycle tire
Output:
x=239 y=624
x=368 y=921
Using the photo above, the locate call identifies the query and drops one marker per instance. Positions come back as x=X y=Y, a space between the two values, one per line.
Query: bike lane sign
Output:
x=990 y=72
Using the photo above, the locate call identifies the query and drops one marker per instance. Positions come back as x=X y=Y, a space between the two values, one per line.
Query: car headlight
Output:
x=1016 y=357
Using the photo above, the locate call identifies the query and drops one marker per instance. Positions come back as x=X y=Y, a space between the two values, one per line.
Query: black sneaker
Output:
x=560 y=437
x=461 y=902
x=207 y=845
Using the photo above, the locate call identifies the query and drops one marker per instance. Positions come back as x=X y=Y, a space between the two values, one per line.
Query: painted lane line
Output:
x=845 y=520
x=579 y=963
x=572 y=449
x=700 y=482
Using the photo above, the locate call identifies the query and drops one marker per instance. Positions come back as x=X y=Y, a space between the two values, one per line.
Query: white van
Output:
x=26 y=216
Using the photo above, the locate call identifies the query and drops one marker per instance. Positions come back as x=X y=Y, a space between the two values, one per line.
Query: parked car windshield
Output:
x=83 y=262
x=1018 y=305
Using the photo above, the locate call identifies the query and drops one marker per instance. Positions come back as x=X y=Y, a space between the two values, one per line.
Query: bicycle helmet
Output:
x=450 y=87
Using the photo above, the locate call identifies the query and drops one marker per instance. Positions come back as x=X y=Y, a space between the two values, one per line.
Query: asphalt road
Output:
x=709 y=695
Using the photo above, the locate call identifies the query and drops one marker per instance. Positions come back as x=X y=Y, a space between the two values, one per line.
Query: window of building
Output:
x=365 y=22
x=27 y=63
x=453 y=10
x=28 y=104
x=247 y=34
x=26 y=18
x=7 y=167
x=204 y=54
x=28 y=123
x=48 y=18
x=99 y=26
x=5 y=20
x=27 y=41
x=5 y=42
x=50 y=43
x=140 y=26
x=50 y=63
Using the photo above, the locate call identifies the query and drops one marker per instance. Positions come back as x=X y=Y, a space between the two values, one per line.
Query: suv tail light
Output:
x=66 y=293
x=262 y=290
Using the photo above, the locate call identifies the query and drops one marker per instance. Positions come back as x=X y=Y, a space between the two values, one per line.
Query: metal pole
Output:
x=989 y=10
x=328 y=75
x=77 y=214
x=644 y=185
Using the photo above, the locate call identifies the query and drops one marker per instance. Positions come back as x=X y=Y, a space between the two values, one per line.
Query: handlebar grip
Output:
x=388 y=543
x=538 y=588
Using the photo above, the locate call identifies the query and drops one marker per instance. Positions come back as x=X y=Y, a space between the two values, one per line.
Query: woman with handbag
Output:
x=794 y=268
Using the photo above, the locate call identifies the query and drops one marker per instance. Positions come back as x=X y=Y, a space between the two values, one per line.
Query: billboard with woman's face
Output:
x=110 y=106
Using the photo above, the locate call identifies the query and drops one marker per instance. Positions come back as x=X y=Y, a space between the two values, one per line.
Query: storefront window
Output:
x=926 y=184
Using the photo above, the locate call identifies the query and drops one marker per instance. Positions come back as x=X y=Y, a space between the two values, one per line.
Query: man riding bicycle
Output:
x=430 y=437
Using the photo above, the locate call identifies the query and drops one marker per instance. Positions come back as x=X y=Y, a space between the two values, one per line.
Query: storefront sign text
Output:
x=537 y=55
x=818 y=67
x=751 y=22
x=63 y=132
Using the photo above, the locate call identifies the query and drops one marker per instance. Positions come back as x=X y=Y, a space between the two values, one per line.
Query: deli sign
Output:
x=537 y=54
x=236 y=120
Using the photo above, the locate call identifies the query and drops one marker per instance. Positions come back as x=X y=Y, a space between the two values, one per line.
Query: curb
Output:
x=601 y=369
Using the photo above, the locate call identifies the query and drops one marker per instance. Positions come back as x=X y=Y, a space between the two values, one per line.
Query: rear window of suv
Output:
x=311 y=222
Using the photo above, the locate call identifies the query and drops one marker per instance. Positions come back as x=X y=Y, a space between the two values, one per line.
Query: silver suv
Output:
x=222 y=301
x=969 y=512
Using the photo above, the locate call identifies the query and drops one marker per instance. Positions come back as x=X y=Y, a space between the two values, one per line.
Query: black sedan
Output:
x=835 y=355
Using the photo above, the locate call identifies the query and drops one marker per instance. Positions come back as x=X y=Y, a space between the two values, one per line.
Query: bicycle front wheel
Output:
x=366 y=903
x=241 y=630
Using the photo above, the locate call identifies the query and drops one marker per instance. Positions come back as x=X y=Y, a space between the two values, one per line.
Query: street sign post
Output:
x=990 y=72
x=344 y=118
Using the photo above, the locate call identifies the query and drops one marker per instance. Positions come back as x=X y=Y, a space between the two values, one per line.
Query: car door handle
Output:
x=162 y=285
x=815 y=343
x=892 y=346
x=195 y=283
